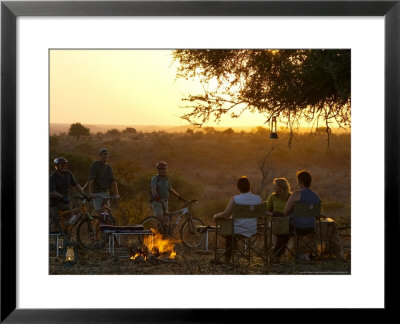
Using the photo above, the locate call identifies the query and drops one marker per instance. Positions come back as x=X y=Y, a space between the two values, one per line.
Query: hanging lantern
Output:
x=70 y=255
x=274 y=131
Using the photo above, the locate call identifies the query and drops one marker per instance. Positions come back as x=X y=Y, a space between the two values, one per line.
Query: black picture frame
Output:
x=10 y=10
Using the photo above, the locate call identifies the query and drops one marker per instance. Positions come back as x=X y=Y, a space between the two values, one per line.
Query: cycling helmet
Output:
x=162 y=165
x=103 y=150
x=59 y=160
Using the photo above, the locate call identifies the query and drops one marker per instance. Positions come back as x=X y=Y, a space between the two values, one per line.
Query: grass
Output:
x=205 y=167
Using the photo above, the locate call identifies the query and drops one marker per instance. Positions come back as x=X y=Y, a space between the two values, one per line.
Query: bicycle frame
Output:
x=181 y=213
x=87 y=225
x=105 y=211
x=82 y=211
x=166 y=225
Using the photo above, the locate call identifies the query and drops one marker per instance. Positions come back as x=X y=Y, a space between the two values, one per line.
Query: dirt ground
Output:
x=198 y=262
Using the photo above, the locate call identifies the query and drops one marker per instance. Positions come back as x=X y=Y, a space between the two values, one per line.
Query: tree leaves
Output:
x=78 y=130
x=313 y=85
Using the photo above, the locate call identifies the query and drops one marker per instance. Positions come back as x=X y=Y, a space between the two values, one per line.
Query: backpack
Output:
x=158 y=185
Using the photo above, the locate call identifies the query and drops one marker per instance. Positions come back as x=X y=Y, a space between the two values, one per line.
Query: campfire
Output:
x=154 y=248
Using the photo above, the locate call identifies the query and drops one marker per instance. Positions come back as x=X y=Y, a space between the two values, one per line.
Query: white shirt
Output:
x=246 y=227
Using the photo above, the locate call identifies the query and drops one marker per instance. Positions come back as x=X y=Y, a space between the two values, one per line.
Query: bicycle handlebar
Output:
x=108 y=197
x=95 y=197
x=188 y=202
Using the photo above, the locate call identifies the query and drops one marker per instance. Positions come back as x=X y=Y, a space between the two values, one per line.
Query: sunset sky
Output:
x=122 y=87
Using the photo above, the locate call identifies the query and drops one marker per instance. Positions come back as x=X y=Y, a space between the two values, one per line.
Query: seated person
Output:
x=245 y=227
x=275 y=207
x=304 y=195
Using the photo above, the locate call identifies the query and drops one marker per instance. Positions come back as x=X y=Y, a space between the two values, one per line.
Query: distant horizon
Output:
x=56 y=128
x=160 y=125
x=173 y=125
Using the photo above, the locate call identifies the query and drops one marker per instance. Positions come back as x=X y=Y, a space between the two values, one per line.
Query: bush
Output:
x=206 y=210
x=78 y=130
x=129 y=130
x=126 y=170
x=54 y=141
x=113 y=132
x=132 y=211
x=332 y=205
x=262 y=131
x=228 y=131
x=84 y=147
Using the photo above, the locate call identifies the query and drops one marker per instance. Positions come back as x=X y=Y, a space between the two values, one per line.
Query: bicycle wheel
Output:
x=108 y=218
x=88 y=233
x=190 y=237
x=152 y=222
x=111 y=220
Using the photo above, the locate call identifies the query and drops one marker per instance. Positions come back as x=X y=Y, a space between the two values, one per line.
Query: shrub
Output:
x=113 y=132
x=78 y=130
x=261 y=131
x=229 y=131
x=84 y=147
x=129 y=130
x=54 y=141
x=207 y=209
x=332 y=205
x=132 y=211
x=126 y=170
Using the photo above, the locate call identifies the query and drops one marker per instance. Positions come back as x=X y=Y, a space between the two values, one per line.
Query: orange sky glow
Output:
x=124 y=87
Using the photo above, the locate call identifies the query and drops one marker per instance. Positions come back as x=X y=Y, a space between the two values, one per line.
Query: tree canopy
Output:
x=113 y=131
x=129 y=130
x=78 y=130
x=292 y=85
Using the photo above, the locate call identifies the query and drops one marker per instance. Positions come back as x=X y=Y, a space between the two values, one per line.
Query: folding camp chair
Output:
x=307 y=211
x=279 y=226
x=243 y=245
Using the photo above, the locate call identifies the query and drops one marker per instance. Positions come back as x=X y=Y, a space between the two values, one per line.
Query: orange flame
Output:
x=157 y=245
x=133 y=257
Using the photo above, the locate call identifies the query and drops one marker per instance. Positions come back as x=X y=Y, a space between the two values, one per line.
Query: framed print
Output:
x=35 y=34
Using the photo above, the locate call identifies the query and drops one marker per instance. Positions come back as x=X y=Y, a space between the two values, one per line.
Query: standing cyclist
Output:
x=101 y=180
x=160 y=187
x=60 y=181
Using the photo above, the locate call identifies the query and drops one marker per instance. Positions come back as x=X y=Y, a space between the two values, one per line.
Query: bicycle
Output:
x=190 y=237
x=93 y=235
x=88 y=232
x=105 y=213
